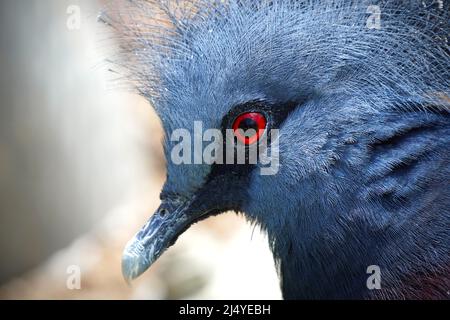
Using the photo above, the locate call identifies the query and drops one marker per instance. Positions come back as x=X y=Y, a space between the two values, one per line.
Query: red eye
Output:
x=246 y=121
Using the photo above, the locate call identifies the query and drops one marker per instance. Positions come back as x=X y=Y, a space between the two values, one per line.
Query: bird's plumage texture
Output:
x=364 y=157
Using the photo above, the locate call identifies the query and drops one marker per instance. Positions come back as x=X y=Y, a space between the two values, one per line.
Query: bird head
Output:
x=312 y=82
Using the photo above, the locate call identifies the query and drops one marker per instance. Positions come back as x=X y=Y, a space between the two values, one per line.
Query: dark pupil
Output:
x=248 y=123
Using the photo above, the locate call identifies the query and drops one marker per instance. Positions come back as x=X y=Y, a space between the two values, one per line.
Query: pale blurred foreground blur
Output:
x=80 y=172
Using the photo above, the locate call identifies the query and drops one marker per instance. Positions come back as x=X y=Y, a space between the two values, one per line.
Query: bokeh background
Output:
x=80 y=172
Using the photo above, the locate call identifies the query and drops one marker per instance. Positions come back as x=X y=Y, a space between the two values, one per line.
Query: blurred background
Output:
x=81 y=168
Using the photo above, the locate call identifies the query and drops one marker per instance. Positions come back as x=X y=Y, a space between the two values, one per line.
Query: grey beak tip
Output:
x=132 y=264
x=144 y=249
x=128 y=268
x=134 y=261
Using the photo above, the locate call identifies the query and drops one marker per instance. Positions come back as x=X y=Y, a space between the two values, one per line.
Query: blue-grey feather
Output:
x=364 y=162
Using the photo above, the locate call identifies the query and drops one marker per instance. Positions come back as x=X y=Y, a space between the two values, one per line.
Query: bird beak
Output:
x=158 y=234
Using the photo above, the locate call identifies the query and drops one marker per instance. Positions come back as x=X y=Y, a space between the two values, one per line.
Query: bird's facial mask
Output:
x=218 y=186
